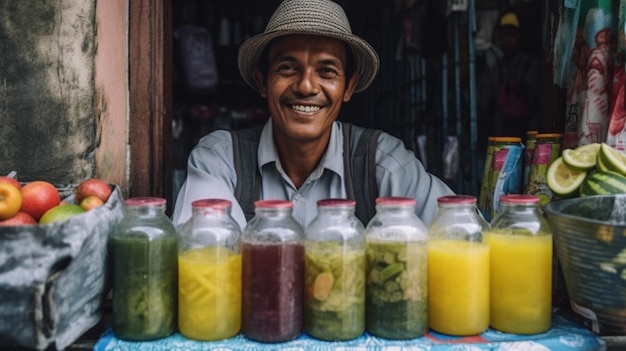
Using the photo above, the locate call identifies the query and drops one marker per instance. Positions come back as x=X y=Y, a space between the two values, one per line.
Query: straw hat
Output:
x=313 y=17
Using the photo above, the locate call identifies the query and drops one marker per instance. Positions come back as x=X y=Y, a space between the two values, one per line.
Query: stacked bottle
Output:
x=143 y=251
x=272 y=248
x=458 y=268
x=397 y=273
x=334 y=307
x=209 y=272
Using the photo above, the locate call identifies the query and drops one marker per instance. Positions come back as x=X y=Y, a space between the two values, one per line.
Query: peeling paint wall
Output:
x=47 y=122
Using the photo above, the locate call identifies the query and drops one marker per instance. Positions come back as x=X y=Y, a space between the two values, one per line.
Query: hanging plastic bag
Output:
x=198 y=57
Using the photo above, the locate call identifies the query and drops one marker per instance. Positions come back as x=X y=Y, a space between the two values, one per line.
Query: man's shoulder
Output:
x=216 y=138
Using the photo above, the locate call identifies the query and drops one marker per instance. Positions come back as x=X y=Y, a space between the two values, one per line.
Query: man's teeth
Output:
x=303 y=108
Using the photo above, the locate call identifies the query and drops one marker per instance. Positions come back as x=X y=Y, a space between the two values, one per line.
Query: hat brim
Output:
x=366 y=58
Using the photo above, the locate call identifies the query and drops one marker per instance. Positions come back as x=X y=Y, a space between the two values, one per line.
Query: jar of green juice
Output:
x=144 y=259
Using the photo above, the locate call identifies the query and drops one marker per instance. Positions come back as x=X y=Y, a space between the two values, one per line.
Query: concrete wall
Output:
x=57 y=119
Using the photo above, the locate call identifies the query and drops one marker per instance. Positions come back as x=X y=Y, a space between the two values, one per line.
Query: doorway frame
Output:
x=150 y=69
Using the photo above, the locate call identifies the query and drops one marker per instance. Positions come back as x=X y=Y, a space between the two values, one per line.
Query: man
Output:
x=306 y=64
x=508 y=92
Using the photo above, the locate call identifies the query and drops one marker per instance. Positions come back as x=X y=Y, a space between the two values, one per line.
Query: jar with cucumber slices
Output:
x=334 y=307
x=143 y=251
x=396 y=271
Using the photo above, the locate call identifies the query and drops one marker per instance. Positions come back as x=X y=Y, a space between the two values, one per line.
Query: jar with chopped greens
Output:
x=396 y=271
x=334 y=307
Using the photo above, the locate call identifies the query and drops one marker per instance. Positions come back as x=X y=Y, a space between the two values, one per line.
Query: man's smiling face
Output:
x=305 y=85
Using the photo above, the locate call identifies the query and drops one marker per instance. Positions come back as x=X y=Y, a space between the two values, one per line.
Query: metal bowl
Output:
x=590 y=242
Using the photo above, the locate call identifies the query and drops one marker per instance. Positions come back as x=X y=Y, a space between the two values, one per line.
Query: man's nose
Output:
x=307 y=83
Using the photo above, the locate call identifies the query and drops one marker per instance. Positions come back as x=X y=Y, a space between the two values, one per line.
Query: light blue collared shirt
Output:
x=211 y=174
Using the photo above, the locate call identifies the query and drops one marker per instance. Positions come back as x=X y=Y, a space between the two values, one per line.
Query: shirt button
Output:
x=296 y=197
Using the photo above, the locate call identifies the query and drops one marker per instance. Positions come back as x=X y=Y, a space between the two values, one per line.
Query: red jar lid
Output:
x=519 y=199
x=457 y=199
x=145 y=201
x=395 y=200
x=218 y=204
x=336 y=202
x=273 y=204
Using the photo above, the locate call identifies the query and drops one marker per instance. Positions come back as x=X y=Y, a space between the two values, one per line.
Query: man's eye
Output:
x=286 y=68
x=326 y=72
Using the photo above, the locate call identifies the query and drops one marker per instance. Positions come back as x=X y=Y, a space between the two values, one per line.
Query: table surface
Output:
x=564 y=334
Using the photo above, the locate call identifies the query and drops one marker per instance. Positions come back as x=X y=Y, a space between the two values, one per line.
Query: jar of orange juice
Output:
x=209 y=272
x=520 y=241
x=458 y=268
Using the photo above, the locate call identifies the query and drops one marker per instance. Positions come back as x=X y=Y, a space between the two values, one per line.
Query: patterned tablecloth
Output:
x=563 y=335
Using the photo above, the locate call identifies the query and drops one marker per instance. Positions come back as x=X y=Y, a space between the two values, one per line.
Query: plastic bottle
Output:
x=521 y=267
x=334 y=307
x=143 y=254
x=397 y=273
x=272 y=273
x=458 y=268
x=209 y=272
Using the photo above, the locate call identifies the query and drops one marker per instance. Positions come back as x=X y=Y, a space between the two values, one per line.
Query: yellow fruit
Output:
x=582 y=158
x=61 y=212
x=563 y=180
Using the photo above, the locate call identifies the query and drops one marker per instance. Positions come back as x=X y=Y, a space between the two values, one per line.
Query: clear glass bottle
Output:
x=397 y=271
x=458 y=268
x=144 y=258
x=272 y=248
x=334 y=305
x=209 y=272
x=521 y=267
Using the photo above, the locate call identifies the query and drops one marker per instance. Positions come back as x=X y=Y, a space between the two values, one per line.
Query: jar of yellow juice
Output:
x=520 y=241
x=458 y=268
x=209 y=273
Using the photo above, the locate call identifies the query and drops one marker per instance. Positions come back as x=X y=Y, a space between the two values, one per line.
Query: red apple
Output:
x=92 y=187
x=10 y=180
x=38 y=197
x=21 y=218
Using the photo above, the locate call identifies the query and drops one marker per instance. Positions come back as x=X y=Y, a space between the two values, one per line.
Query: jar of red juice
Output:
x=272 y=249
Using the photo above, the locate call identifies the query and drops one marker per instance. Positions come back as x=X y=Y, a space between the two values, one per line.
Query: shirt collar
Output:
x=331 y=160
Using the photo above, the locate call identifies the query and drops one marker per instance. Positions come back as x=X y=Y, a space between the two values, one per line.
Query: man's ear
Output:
x=354 y=80
x=259 y=79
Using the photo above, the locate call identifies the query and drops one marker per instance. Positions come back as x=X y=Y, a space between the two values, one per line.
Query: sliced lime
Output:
x=613 y=159
x=582 y=158
x=563 y=180
x=600 y=164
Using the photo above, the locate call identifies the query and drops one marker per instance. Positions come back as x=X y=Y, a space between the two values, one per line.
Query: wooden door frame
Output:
x=150 y=98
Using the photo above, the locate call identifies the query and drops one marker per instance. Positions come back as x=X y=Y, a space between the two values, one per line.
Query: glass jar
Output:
x=521 y=267
x=458 y=268
x=334 y=280
x=143 y=255
x=272 y=248
x=209 y=272
x=396 y=272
